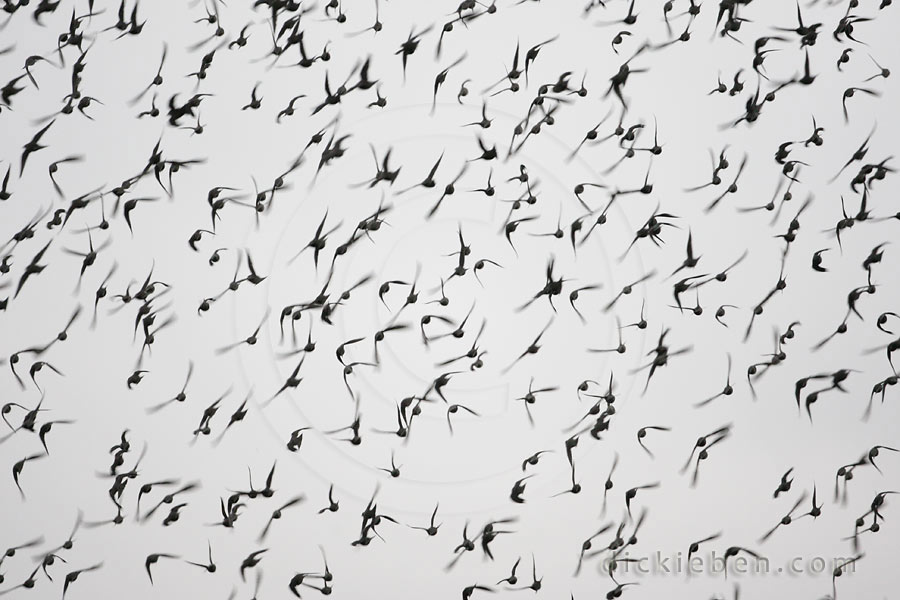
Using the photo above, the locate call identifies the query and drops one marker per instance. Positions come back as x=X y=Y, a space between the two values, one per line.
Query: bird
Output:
x=152 y=559
x=34 y=145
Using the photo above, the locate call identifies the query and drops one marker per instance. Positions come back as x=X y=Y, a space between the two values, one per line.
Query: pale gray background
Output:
x=471 y=473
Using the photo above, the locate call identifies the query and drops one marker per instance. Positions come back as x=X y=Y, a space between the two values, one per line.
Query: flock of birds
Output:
x=108 y=261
